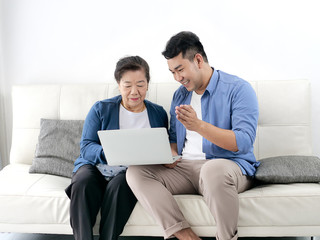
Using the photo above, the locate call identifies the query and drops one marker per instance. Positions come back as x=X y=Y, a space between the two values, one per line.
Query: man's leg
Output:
x=220 y=182
x=154 y=186
x=85 y=192
x=117 y=205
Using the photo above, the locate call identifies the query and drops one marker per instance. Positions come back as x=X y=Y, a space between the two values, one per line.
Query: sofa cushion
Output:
x=289 y=169
x=58 y=147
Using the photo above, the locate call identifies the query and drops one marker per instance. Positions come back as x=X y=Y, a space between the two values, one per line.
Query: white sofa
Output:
x=36 y=203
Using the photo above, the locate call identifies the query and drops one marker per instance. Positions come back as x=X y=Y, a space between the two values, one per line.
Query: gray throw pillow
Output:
x=289 y=169
x=58 y=147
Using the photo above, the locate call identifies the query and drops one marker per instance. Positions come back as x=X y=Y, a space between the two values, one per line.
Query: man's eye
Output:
x=180 y=70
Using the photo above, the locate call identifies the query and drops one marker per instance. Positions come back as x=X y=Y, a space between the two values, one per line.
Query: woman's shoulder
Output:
x=108 y=102
x=150 y=104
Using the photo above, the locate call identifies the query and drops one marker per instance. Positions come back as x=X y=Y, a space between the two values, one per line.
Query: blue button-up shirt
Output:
x=228 y=102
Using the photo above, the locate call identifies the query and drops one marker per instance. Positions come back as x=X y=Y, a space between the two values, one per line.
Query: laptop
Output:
x=142 y=146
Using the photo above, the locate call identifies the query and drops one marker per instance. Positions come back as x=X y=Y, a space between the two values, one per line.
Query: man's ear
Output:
x=198 y=60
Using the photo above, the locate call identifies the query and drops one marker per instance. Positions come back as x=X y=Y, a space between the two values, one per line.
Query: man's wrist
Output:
x=201 y=127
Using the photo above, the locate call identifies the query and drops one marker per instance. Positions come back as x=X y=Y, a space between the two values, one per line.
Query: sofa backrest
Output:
x=284 y=123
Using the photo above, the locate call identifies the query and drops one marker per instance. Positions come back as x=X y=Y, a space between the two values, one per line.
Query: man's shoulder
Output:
x=230 y=79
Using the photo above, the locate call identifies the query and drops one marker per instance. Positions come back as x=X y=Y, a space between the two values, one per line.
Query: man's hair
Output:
x=131 y=63
x=186 y=43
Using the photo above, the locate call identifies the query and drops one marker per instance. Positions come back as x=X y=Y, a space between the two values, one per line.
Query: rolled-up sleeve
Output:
x=245 y=114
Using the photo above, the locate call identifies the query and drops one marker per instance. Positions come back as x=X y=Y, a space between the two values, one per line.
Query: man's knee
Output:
x=217 y=172
x=133 y=175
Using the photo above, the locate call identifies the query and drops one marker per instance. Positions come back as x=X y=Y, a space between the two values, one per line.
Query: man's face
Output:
x=186 y=72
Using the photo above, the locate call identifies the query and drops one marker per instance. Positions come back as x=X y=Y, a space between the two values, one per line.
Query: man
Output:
x=213 y=124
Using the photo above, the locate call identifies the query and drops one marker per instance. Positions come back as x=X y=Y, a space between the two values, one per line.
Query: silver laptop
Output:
x=143 y=146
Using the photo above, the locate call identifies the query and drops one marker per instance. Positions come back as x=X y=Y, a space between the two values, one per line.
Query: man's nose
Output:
x=178 y=77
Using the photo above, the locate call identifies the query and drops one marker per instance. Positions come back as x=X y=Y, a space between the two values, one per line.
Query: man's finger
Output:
x=186 y=108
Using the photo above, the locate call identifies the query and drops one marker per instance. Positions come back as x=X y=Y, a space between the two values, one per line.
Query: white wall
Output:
x=48 y=41
x=3 y=138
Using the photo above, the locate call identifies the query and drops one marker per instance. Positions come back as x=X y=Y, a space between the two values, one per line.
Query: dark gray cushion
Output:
x=289 y=169
x=58 y=147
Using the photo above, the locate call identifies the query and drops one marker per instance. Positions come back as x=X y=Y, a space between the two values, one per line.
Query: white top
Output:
x=193 y=144
x=129 y=119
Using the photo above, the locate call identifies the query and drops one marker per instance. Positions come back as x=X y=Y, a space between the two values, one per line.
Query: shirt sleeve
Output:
x=245 y=113
x=90 y=147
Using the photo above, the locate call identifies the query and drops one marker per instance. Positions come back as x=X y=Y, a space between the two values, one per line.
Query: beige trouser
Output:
x=218 y=180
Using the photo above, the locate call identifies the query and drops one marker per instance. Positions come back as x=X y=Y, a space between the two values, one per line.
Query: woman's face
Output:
x=133 y=87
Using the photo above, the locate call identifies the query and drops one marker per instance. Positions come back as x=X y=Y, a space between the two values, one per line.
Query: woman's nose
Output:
x=134 y=90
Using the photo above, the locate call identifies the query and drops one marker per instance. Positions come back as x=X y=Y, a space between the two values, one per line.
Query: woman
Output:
x=95 y=185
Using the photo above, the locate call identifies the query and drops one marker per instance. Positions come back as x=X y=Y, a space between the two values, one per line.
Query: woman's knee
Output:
x=118 y=182
x=87 y=177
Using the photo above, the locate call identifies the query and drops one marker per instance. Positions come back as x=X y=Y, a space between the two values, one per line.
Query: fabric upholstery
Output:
x=289 y=169
x=58 y=147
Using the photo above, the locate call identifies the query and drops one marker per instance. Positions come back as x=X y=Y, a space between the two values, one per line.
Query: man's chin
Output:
x=189 y=88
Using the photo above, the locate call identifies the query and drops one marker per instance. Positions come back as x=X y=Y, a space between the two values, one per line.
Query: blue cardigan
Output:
x=104 y=115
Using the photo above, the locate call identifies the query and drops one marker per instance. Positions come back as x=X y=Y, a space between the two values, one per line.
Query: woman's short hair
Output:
x=186 y=43
x=131 y=63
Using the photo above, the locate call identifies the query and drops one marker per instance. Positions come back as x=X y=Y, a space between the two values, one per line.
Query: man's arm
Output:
x=223 y=138
x=174 y=151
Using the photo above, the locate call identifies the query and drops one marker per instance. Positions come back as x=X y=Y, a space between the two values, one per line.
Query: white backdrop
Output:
x=3 y=142
x=75 y=41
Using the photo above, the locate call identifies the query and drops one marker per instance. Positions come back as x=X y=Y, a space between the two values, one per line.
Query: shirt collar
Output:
x=213 y=82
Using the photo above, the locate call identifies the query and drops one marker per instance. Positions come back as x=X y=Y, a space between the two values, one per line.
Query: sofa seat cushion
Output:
x=273 y=207
x=41 y=197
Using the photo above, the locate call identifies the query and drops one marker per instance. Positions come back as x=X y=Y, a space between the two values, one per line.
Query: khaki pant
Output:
x=218 y=180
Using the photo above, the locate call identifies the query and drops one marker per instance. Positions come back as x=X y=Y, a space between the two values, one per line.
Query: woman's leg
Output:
x=86 y=193
x=117 y=205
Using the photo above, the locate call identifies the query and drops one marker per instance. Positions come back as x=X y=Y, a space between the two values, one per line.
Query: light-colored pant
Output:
x=218 y=180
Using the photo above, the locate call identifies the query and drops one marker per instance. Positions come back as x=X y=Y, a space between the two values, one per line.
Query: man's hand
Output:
x=174 y=152
x=223 y=138
x=172 y=165
x=188 y=117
